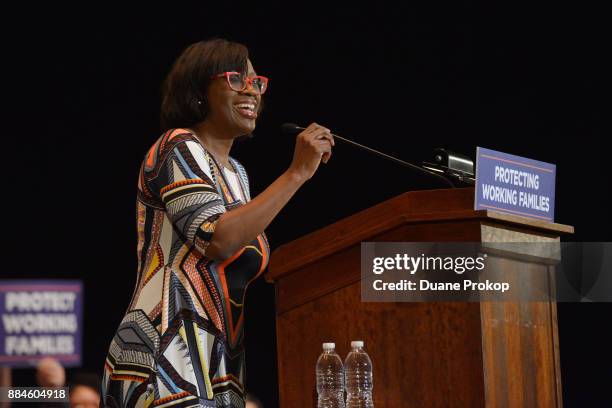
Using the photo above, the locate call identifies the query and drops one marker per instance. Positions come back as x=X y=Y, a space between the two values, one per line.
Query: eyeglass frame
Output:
x=249 y=80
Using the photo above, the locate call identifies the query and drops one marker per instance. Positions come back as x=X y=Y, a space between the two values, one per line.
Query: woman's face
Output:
x=228 y=109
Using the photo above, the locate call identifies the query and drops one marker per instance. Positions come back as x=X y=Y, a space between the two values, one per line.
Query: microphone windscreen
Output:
x=290 y=128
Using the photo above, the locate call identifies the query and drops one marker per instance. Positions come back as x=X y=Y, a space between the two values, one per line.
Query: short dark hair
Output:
x=184 y=92
x=252 y=398
x=85 y=379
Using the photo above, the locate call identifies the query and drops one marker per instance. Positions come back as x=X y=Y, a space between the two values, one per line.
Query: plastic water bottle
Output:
x=330 y=378
x=358 y=373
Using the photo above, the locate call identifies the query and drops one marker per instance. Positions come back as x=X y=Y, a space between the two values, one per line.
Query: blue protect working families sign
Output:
x=40 y=318
x=514 y=185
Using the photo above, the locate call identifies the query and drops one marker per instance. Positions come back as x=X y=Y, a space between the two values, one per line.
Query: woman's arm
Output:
x=236 y=228
x=240 y=226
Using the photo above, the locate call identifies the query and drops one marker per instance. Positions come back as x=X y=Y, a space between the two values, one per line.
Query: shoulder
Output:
x=177 y=149
x=170 y=140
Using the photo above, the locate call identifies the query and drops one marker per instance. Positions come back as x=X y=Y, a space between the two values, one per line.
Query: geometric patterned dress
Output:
x=180 y=343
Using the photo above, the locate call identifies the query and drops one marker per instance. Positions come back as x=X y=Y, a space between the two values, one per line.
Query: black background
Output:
x=82 y=97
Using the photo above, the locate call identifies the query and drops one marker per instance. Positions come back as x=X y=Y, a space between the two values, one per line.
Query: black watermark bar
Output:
x=494 y=271
x=34 y=394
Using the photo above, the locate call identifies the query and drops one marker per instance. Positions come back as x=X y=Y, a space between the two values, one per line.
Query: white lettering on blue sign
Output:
x=517 y=178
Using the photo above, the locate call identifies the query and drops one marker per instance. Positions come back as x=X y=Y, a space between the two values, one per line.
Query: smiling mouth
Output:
x=247 y=110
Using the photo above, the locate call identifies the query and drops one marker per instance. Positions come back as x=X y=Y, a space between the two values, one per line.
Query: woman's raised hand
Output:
x=312 y=146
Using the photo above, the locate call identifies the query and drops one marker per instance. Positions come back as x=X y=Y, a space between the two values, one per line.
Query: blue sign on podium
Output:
x=514 y=185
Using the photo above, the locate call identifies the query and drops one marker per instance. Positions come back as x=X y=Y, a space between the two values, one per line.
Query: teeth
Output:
x=246 y=106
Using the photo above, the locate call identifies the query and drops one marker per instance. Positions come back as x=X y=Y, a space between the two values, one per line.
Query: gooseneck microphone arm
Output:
x=291 y=128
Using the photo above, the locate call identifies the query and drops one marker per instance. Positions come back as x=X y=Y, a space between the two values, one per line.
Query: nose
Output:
x=250 y=89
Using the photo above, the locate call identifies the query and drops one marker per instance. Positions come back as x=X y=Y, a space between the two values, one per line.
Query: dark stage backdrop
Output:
x=84 y=92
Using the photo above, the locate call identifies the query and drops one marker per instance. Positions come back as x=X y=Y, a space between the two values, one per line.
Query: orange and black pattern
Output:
x=180 y=343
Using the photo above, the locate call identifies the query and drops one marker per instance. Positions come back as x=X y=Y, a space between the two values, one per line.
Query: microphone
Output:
x=292 y=129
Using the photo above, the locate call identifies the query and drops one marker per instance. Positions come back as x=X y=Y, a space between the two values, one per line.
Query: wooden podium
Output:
x=451 y=354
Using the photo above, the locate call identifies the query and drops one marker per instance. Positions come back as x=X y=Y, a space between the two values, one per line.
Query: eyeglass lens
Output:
x=238 y=83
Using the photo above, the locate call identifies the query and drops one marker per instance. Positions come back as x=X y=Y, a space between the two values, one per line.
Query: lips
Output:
x=247 y=109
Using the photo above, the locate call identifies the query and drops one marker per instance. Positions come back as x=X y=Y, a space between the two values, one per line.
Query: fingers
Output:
x=324 y=141
x=324 y=148
x=326 y=157
x=320 y=139
x=315 y=126
x=328 y=136
x=316 y=131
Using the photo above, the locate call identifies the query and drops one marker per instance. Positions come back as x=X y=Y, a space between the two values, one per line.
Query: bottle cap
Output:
x=357 y=344
x=329 y=346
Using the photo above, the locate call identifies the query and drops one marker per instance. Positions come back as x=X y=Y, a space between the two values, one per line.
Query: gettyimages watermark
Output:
x=518 y=271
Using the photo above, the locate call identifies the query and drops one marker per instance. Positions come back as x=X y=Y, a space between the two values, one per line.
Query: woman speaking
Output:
x=201 y=238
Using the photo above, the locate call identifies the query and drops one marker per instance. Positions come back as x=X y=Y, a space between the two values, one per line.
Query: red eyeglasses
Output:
x=239 y=83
